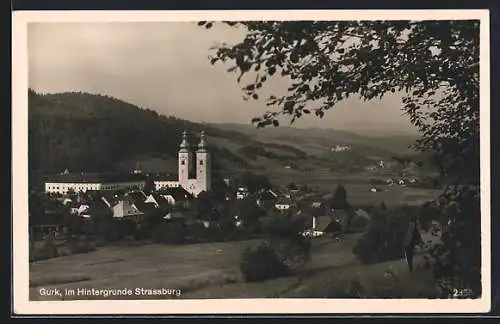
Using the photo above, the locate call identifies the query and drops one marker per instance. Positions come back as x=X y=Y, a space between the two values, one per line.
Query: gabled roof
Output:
x=125 y=208
x=284 y=201
x=159 y=199
x=98 y=208
x=178 y=193
x=323 y=223
x=267 y=195
x=136 y=196
x=174 y=215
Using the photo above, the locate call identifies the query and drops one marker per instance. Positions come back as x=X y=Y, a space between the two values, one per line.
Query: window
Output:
x=183 y=162
x=201 y=162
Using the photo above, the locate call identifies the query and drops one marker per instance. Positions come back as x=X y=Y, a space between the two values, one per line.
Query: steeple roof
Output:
x=184 y=146
x=202 y=146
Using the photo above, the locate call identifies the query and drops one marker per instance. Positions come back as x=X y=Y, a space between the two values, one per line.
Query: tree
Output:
x=432 y=65
x=255 y=182
x=248 y=212
x=339 y=199
x=149 y=186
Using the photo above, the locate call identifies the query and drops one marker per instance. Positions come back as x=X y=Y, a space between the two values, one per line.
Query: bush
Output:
x=169 y=233
x=72 y=246
x=198 y=232
x=260 y=264
x=385 y=236
x=359 y=222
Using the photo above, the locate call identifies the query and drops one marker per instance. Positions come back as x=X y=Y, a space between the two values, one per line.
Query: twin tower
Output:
x=194 y=174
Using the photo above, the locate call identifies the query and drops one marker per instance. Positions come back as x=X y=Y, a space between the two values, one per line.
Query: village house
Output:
x=176 y=196
x=283 y=204
x=343 y=217
x=264 y=197
x=241 y=193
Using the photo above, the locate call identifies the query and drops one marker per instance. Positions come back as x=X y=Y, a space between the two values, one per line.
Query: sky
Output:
x=164 y=66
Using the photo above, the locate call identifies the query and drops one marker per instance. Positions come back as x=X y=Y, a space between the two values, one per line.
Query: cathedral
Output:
x=194 y=168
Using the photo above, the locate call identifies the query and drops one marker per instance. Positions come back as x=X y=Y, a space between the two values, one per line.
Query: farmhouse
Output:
x=283 y=204
x=176 y=196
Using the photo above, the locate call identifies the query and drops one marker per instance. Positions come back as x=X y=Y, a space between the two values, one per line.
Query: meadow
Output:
x=210 y=270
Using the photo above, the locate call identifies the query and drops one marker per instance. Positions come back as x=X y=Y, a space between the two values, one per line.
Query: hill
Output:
x=315 y=140
x=96 y=133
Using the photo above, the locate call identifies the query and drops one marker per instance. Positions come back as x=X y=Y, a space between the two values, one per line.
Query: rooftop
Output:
x=94 y=177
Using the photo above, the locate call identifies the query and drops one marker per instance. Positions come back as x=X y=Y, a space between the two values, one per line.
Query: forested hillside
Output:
x=93 y=133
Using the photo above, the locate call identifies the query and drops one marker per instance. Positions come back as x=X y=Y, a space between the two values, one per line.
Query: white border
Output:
x=22 y=305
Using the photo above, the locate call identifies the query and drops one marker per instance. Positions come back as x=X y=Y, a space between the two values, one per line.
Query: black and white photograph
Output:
x=231 y=158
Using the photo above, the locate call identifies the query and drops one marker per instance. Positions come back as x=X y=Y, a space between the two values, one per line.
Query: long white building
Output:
x=194 y=175
x=62 y=183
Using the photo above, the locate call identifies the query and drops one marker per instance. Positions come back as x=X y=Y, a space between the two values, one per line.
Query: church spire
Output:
x=184 y=147
x=202 y=147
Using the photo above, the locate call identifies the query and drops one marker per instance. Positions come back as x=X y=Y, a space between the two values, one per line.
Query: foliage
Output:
x=432 y=65
x=339 y=198
x=359 y=222
x=255 y=182
x=283 y=236
x=248 y=212
x=149 y=186
x=211 y=206
x=384 y=238
x=261 y=263
x=169 y=233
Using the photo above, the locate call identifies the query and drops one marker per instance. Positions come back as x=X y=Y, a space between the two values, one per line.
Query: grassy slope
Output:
x=211 y=271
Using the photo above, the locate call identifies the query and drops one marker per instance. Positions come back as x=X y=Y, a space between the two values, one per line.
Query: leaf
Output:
x=271 y=70
x=306 y=111
x=208 y=25
x=276 y=123
x=255 y=96
x=250 y=87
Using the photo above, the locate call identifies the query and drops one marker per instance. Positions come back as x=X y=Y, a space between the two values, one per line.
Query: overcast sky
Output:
x=165 y=67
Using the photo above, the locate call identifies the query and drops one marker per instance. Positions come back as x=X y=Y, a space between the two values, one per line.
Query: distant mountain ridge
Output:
x=394 y=143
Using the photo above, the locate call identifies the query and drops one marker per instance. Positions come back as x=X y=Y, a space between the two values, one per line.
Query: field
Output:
x=210 y=270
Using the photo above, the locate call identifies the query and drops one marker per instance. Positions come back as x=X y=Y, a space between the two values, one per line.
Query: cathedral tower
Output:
x=203 y=166
x=185 y=160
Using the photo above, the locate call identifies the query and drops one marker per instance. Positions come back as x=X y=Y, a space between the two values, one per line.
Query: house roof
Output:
x=323 y=223
x=178 y=193
x=266 y=195
x=174 y=214
x=136 y=196
x=316 y=204
x=162 y=202
x=342 y=213
x=284 y=201
x=98 y=208
x=95 y=178
x=165 y=177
